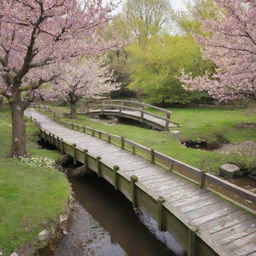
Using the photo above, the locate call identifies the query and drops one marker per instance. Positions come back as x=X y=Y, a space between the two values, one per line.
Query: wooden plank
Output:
x=235 y=232
x=213 y=215
x=225 y=222
x=197 y=206
x=231 y=187
x=243 y=246
x=223 y=227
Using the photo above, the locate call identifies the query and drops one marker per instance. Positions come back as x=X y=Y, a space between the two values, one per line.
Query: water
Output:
x=105 y=224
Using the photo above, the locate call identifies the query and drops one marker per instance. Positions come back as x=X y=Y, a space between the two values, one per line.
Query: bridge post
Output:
x=121 y=107
x=58 y=142
x=152 y=156
x=98 y=166
x=109 y=138
x=202 y=182
x=161 y=215
x=74 y=153
x=86 y=159
x=52 y=139
x=192 y=241
x=62 y=147
x=116 y=169
x=168 y=117
x=122 y=142
x=133 y=180
x=133 y=149
x=141 y=115
x=84 y=129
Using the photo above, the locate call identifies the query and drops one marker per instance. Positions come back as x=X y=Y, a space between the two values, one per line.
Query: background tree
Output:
x=38 y=33
x=146 y=18
x=188 y=20
x=82 y=79
x=155 y=71
x=231 y=45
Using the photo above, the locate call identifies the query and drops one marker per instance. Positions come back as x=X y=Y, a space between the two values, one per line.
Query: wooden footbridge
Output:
x=134 y=110
x=184 y=204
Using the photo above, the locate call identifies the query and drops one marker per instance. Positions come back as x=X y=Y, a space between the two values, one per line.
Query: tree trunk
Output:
x=1 y=101
x=18 y=148
x=73 y=111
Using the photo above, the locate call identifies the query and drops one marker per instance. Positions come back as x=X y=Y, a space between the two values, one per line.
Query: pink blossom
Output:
x=232 y=47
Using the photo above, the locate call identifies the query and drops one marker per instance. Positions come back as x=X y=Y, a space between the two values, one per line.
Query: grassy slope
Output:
x=195 y=123
x=28 y=195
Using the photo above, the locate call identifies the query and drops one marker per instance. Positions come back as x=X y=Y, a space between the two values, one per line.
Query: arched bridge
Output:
x=180 y=198
x=153 y=116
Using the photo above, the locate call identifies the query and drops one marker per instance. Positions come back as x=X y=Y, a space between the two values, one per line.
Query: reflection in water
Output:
x=87 y=237
x=114 y=229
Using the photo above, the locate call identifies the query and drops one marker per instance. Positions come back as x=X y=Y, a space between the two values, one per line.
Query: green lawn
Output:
x=29 y=195
x=195 y=124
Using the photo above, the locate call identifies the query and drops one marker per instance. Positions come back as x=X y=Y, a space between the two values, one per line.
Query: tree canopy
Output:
x=231 y=45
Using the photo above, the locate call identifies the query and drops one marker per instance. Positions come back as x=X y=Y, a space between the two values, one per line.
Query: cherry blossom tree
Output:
x=79 y=78
x=231 y=45
x=36 y=35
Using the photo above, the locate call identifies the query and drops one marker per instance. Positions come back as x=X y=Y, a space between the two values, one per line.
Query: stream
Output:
x=105 y=224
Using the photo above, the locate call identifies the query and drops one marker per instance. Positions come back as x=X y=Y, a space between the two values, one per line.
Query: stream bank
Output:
x=103 y=223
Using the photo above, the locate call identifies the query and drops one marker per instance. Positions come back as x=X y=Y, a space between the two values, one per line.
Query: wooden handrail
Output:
x=142 y=105
x=171 y=164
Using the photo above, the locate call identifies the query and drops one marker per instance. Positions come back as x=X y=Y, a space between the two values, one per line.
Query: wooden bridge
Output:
x=206 y=225
x=134 y=110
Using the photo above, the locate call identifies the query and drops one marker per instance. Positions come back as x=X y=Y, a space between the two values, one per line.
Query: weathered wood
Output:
x=138 y=112
x=186 y=206
x=192 y=241
x=134 y=180
x=161 y=214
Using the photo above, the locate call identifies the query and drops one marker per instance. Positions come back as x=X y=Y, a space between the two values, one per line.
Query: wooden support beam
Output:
x=86 y=159
x=62 y=146
x=99 y=166
x=192 y=241
x=109 y=138
x=116 y=169
x=152 y=156
x=160 y=214
x=202 y=182
x=74 y=154
x=133 y=180
x=122 y=142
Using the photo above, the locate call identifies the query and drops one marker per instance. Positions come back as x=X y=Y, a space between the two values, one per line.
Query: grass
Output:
x=195 y=124
x=29 y=196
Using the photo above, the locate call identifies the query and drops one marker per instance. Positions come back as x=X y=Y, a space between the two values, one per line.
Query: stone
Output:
x=80 y=171
x=63 y=218
x=64 y=222
x=175 y=132
x=14 y=254
x=45 y=235
x=229 y=170
x=1 y=252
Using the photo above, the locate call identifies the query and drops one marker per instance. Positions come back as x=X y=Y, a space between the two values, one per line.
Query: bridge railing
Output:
x=237 y=195
x=124 y=105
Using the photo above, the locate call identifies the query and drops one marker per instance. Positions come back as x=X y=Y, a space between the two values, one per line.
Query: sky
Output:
x=177 y=4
